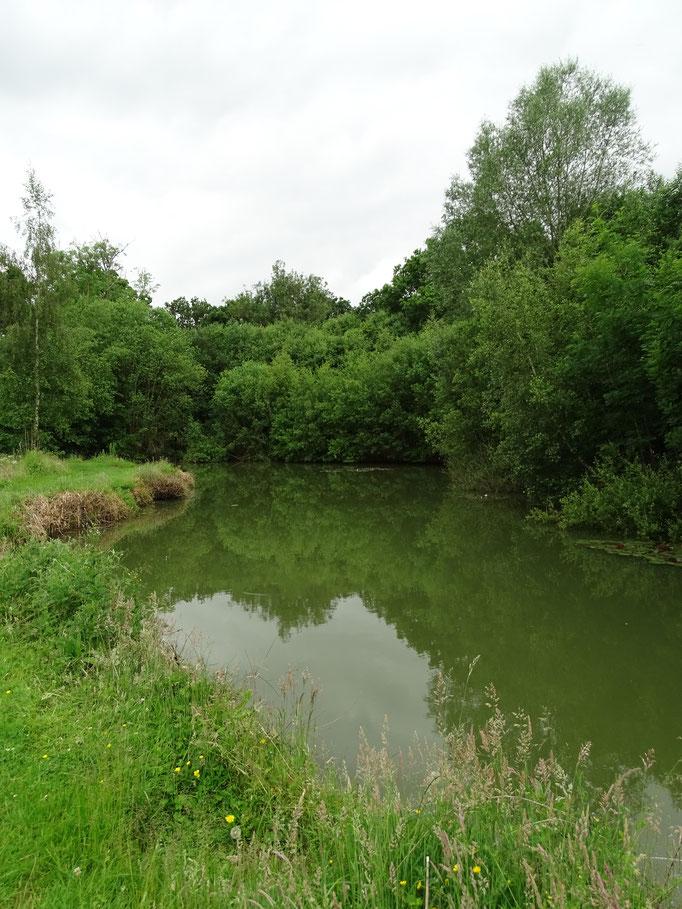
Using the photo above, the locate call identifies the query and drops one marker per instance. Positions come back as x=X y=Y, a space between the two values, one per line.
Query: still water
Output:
x=376 y=581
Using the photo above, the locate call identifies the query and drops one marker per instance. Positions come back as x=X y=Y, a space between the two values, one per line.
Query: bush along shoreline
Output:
x=531 y=343
x=130 y=778
x=640 y=503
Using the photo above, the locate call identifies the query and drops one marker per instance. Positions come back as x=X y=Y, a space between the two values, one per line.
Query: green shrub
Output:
x=632 y=501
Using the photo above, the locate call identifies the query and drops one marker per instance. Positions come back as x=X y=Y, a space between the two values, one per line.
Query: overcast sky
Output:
x=215 y=136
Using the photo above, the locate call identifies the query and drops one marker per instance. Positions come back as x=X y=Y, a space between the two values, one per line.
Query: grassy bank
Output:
x=131 y=780
x=43 y=496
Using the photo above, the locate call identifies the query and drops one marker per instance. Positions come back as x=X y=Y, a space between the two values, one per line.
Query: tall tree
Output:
x=287 y=295
x=190 y=313
x=409 y=295
x=568 y=139
x=37 y=228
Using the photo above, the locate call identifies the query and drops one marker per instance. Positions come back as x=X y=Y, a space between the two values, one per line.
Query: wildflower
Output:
x=263 y=741
x=455 y=868
x=476 y=869
x=229 y=818
x=108 y=744
x=402 y=883
x=187 y=763
x=236 y=833
x=197 y=773
x=201 y=757
x=177 y=770
x=77 y=871
x=417 y=811
x=44 y=757
x=419 y=885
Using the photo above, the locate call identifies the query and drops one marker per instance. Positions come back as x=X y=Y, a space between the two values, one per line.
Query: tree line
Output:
x=533 y=343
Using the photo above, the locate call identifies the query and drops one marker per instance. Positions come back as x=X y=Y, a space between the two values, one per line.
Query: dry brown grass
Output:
x=55 y=514
x=156 y=485
x=65 y=512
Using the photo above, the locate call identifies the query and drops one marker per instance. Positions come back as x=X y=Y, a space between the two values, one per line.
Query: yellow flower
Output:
x=108 y=744
x=197 y=773
x=177 y=770
x=455 y=868
x=419 y=885
x=417 y=811
x=229 y=818
x=201 y=757
x=263 y=741
x=187 y=763
x=402 y=883
x=44 y=757
x=476 y=869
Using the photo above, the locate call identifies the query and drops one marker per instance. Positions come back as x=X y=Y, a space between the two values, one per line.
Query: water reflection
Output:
x=375 y=579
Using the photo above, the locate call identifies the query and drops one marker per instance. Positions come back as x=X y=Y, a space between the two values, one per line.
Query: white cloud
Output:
x=215 y=137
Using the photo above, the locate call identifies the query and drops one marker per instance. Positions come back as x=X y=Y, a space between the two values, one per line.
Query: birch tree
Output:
x=37 y=228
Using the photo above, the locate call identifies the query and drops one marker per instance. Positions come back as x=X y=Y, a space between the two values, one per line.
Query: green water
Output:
x=376 y=580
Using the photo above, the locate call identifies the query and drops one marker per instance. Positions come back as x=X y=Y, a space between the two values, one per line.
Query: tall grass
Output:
x=130 y=779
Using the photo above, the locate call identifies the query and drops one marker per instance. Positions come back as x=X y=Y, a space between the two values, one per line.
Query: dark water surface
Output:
x=375 y=580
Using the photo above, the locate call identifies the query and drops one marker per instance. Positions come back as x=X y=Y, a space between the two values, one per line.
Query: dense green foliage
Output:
x=535 y=337
x=128 y=780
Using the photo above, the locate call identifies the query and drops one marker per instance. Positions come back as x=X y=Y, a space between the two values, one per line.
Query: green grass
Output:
x=119 y=767
x=39 y=474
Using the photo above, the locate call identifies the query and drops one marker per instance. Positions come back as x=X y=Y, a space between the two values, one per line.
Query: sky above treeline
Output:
x=212 y=137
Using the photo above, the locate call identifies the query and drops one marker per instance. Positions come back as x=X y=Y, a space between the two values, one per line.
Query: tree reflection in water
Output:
x=592 y=640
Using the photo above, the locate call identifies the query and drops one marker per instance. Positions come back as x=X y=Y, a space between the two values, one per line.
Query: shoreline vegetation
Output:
x=531 y=344
x=131 y=778
x=43 y=496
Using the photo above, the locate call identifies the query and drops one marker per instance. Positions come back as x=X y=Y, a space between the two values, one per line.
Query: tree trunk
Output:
x=35 y=429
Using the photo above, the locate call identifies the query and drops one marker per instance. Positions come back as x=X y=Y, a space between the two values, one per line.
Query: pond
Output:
x=386 y=584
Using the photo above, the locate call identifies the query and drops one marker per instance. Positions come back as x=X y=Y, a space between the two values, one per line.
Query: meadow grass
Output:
x=132 y=780
x=43 y=495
